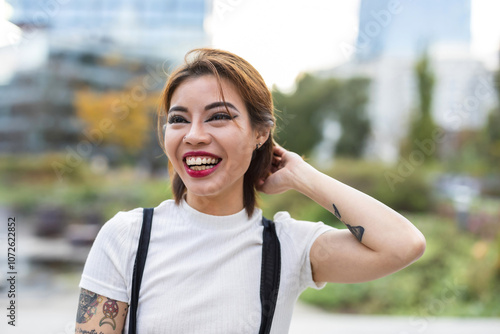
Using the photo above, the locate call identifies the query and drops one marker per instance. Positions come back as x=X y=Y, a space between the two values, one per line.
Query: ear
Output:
x=261 y=136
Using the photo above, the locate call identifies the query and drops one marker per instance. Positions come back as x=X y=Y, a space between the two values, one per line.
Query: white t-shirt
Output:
x=202 y=273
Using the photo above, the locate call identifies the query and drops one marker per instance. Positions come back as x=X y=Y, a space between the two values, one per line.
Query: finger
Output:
x=278 y=150
x=277 y=160
x=276 y=166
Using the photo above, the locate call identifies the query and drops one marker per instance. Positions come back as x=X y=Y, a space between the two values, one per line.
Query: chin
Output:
x=204 y=188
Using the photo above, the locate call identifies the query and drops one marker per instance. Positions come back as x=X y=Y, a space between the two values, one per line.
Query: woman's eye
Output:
x=220 y=116
x=176 y=119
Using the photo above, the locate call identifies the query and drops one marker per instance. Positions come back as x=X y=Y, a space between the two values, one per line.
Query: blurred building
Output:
x=162 y=28
x=36 y=106
x=102 y=45
x=405 y=28
x=392 y=35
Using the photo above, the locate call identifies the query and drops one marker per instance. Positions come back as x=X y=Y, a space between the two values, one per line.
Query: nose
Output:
x=197 y=135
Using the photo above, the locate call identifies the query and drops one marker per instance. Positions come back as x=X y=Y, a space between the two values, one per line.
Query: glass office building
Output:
x=405 y=28
x=165 y=28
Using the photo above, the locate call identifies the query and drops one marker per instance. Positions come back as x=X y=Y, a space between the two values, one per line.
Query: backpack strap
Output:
x=140 y=261
x=270 y=275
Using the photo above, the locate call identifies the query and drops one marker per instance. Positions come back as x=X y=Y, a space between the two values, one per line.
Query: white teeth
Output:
x=199 y=161
x=202 y=167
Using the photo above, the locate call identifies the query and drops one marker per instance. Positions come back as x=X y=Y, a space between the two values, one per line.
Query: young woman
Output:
x=203 y=269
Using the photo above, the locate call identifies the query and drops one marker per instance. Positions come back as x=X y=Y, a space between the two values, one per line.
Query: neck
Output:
x=215 y=205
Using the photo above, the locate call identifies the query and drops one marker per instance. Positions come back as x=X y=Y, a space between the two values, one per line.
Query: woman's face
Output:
x=210 y=151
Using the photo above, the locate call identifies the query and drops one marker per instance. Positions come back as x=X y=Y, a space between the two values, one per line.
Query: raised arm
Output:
x=99 y=315
x=378 y=240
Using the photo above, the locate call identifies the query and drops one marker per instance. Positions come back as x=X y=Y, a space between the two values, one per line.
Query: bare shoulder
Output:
x=99 y=314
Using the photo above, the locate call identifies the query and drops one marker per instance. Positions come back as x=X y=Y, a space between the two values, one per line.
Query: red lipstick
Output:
x=210 y=168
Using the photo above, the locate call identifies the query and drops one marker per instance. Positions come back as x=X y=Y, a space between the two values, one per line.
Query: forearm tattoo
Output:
x=87 y=306
x=357 y=231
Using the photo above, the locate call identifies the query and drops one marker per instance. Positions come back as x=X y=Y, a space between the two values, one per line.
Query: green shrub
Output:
x=411 y=193
x=40 y=168
x=457 y=276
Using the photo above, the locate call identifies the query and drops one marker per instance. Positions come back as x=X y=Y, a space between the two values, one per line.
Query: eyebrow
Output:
x=177 y=108
x=221 y=104
x=207 y=107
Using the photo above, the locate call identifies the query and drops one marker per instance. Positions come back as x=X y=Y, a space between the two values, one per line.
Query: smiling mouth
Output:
x=201 y=163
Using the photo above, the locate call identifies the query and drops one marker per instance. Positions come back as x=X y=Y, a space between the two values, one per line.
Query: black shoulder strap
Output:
x=140 y=261
x=269 y=280
x=270 y=275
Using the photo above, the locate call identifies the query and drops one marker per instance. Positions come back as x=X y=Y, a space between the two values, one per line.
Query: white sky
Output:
x=282 y=38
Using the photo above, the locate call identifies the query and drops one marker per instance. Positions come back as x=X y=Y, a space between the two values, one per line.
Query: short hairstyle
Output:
x=254 y=93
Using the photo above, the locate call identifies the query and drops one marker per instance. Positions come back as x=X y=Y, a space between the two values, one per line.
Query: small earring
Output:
x=257 y=146
x=184 y=138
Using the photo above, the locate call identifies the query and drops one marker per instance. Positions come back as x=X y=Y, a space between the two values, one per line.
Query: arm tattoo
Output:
x=110 y=311
x=357 y=231
x=337 y=213
x=83 y=331
x=87 y=306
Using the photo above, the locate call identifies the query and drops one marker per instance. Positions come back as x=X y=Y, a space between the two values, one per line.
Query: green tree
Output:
x=493 y=130
x=303 y=113
x=299 y=126
x=422 y=126
x=353 y=118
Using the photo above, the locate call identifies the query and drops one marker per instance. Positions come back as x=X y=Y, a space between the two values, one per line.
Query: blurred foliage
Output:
x=412 y=194
x=315 y=100
x=477 y=152
x=353 y=118
x=492 y=129
x=422 y=126
x=29 y=183
x=493 y=137
x=467 y=154
x=127 y=187
x=121 y=118
x=459 y=275
x=33 y=168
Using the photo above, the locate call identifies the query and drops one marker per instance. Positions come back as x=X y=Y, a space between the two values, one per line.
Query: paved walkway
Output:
x=307 y=319
x=54 y=313
x=50 y=308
